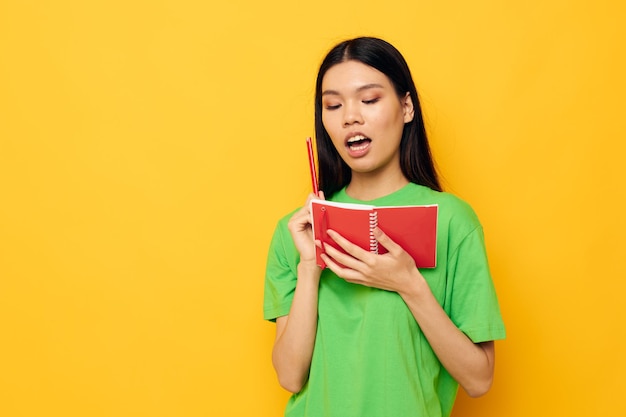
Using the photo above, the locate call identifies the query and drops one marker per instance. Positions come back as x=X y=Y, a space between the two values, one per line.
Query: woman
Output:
x=376 y=336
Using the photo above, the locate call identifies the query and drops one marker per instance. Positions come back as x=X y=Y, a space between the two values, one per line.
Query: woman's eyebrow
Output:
x=368 y=86
x=330 y=93
x=359 y=89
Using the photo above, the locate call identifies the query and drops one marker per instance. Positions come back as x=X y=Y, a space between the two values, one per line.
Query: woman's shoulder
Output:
x=455 y=203
x=439 y=197
x=450 y=206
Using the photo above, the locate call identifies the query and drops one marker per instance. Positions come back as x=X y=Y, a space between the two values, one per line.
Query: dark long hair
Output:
x=416 y=160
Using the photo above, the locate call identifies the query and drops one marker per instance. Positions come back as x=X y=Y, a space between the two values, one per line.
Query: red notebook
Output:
x=414 y=228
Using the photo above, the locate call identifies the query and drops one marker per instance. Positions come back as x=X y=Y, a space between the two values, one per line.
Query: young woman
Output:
x=377 y=336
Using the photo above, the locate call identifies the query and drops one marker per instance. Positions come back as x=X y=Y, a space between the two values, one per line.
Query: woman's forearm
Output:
x=470 y=364
x=295 y=333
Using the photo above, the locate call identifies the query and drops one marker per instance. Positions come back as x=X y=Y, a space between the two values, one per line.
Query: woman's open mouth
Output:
x=358 y=143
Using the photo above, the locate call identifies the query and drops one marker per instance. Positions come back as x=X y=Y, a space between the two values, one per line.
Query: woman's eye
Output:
x=332 y=106
x=371 y=101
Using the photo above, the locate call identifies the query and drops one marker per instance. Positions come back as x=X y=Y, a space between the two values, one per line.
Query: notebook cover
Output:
x=414 y=228
x=351 y=221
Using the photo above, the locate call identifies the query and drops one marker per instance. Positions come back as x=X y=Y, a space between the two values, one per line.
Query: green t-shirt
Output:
x=370 y=356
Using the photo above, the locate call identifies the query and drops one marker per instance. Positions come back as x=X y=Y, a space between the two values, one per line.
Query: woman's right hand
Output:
x=301 y=230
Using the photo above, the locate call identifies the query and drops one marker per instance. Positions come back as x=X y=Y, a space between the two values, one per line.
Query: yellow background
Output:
x=147 y=149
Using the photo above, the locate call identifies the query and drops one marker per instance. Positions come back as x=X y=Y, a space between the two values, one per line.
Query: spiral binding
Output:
x=373 y=224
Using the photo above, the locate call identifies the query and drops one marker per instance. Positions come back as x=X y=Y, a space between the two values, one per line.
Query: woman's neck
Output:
x=370 y=187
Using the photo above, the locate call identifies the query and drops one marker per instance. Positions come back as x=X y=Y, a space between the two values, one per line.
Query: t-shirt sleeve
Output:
x=280 y=273
x=473 y=303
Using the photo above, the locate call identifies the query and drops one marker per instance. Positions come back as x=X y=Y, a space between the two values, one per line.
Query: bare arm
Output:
x=470 y=364
x=295 y=333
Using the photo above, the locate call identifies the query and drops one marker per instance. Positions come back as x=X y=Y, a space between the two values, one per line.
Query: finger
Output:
x=340 y=257
x=383 y=239
x=331 y=264
x=301 y=216
x=344 y=272
x=313 y=196
x=307 y=204
x=306 y=209
x=350 y=248
x=300 y=221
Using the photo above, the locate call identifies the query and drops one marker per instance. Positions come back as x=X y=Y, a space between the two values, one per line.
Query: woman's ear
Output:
x=407 y=108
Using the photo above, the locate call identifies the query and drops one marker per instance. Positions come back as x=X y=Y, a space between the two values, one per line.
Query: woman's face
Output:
x=364 y=116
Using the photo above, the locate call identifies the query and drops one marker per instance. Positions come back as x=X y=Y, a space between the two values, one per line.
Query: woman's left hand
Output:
x=392 y=271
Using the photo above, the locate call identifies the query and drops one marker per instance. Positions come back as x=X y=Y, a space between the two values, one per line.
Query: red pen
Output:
x=309 y=145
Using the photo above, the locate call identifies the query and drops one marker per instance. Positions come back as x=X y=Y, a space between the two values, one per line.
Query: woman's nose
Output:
x=352 y=115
